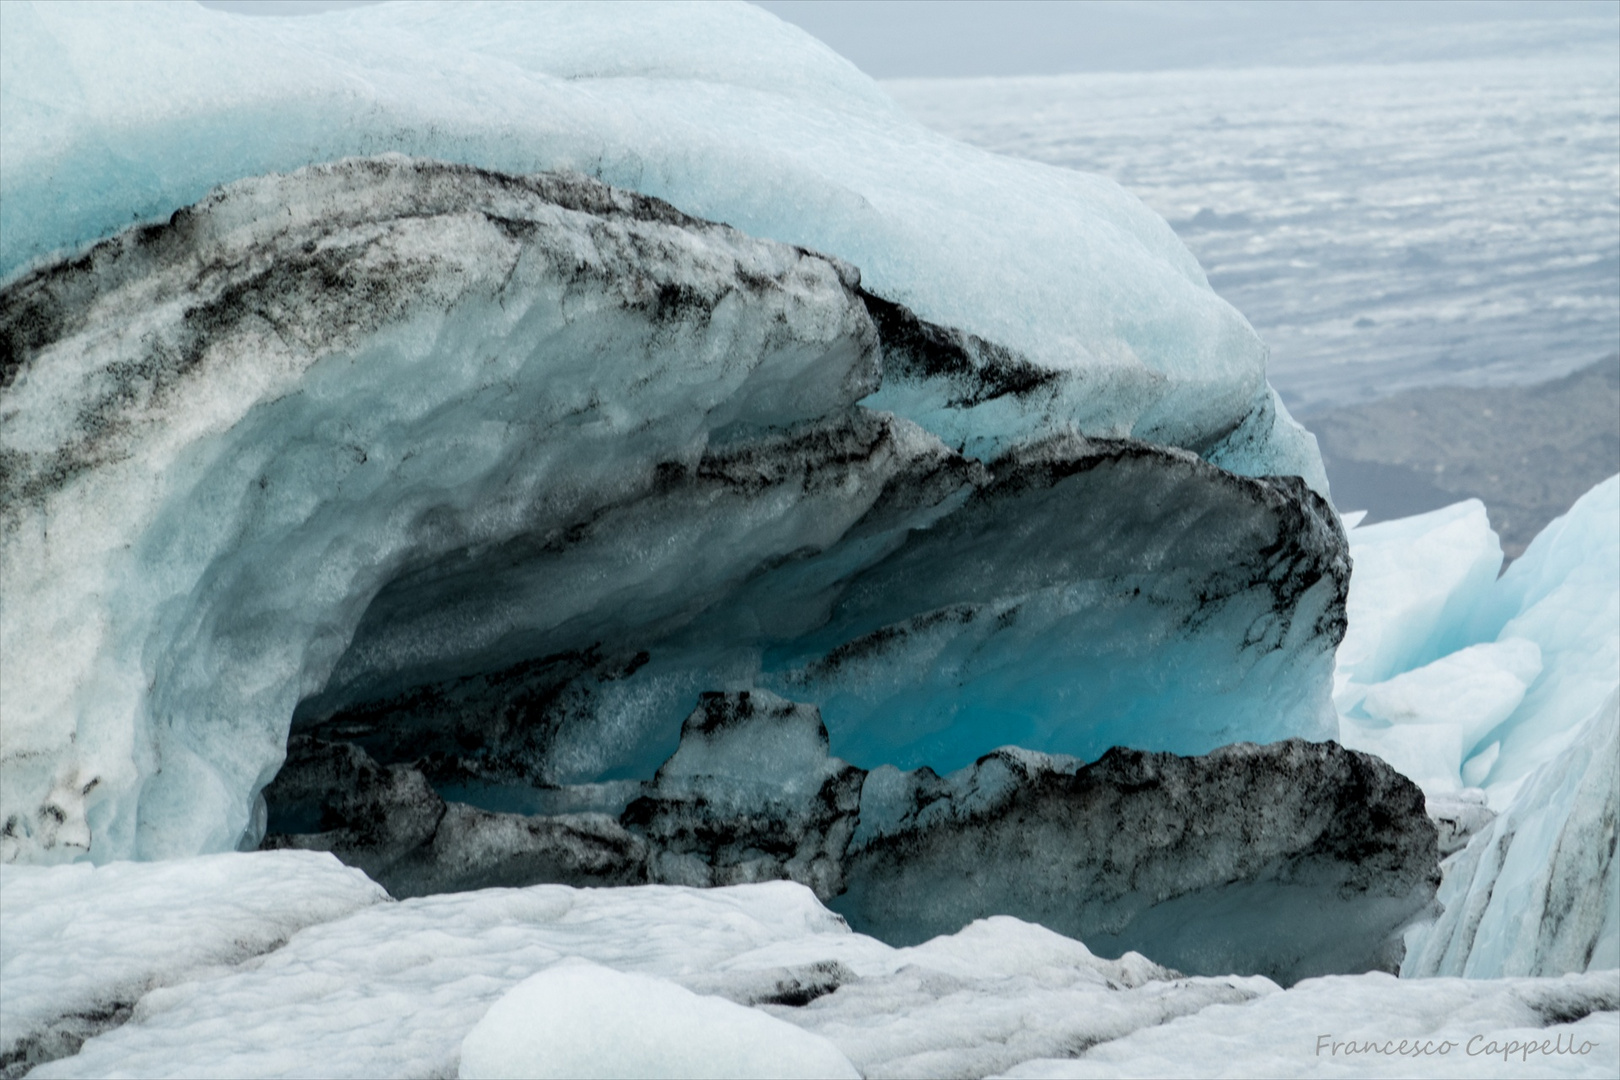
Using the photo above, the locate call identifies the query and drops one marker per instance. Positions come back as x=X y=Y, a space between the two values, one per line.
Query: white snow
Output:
x=1376 y=1025
x=746 y=980
x=81 y=941
x=579 y=1019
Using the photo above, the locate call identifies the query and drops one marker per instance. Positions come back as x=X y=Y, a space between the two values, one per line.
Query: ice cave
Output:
x=509 y=512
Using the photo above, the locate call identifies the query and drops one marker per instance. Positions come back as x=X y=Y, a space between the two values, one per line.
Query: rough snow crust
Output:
x=80 y=945
x=1356 y=1025
x=122 y=114
x=413 y=989
x=498 y=473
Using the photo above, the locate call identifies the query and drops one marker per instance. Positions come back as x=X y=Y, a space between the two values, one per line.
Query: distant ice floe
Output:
x=1349 y=236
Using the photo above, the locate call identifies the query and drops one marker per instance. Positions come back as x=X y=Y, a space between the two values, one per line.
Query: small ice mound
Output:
x=578 y=1019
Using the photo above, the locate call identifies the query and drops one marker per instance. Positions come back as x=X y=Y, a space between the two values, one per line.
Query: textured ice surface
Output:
x=1452 y=1027
x=399 y=989
x=730 y=114
x=1538 y=891
x=579 y=1019
x=750 y=794
x=1287 y=860
x=1523 y=708
x=461 y=465
x=389 y=822
x=394 y=991
x=1416 y=584
x=1470 y=680
x=244 y=424
x=79 y=945
x=1428 y=721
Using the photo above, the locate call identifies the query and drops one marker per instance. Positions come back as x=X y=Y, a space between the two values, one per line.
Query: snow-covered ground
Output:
x=661 y=980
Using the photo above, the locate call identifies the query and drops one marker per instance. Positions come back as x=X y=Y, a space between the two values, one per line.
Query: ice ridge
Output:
x=720 y=109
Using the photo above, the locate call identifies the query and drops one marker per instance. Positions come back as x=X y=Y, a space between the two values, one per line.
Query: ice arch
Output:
x=384 y=432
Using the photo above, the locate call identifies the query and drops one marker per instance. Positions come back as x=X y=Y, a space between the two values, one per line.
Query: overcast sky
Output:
x=901 y=38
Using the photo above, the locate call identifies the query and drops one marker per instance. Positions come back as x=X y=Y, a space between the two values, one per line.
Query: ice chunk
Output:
x=79 y=945
x=579 y=1019
x=552 y=460
x=1286 y=860
x=1417 y=584
x=723 y=110
x=1564 y=595
x=1538 y=891
x=390 y=823
x=750 y=794
x=1500 y=672
x=1527 y=715
x=1458 y=816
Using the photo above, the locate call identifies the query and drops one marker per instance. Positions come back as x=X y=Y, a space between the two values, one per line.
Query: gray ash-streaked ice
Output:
x=499 y=473
x=1288 y=860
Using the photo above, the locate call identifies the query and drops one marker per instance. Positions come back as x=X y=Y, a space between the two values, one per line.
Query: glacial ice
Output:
x=1537 y=892
x=399 y=989
x=579 y=1019
x=498 y=474
x=119 y=115
x=1288 y=860
x=1465 y=680
x=1499 y=697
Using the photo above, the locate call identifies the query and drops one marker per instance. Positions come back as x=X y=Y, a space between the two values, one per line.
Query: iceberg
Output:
x=493 y=475
x=720 y=109
x=1510 y=730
